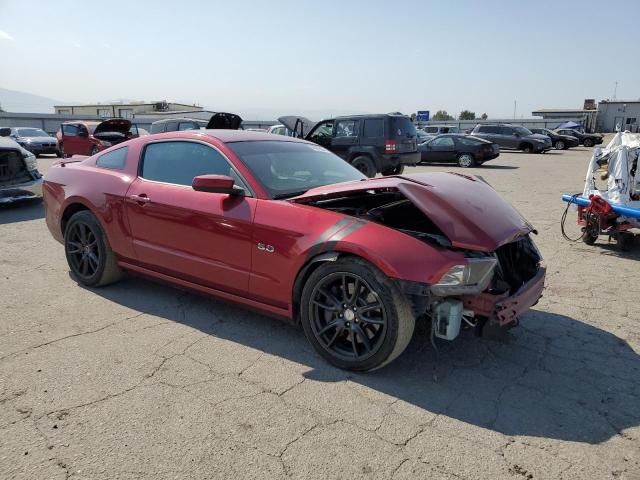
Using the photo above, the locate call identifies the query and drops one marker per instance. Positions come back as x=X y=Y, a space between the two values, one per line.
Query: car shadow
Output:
x=611 y=249
x=498 y=167
x=21 y=211
x=554 y=377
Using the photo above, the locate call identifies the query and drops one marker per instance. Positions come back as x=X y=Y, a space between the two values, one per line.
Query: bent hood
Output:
x=465 y=208
x=119 y=125
x=223 y=120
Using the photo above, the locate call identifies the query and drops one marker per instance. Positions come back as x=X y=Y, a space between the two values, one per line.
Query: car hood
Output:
x=119 y=125
x=226 y=121
x=301 y=126
x=465 y=208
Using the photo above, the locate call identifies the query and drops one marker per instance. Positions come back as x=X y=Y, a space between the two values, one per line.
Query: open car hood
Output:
x=301 y=126
x=223 y=120
x=119 y=125
x=465 y=208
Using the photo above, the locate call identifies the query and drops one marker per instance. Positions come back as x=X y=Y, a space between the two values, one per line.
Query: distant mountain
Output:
x=22 y=102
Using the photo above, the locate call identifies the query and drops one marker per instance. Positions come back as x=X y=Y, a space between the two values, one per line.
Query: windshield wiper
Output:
x=280 y=196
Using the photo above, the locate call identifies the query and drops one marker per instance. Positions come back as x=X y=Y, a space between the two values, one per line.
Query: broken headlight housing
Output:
x=473 y=277
x=31 y=162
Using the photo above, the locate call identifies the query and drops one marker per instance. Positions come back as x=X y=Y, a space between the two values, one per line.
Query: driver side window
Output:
x=180 y=162
x=70 y=130
x=442 y=142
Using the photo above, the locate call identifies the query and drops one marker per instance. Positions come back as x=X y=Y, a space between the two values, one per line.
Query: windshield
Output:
x=287 y=169
x=32 y=132
x=522 y=131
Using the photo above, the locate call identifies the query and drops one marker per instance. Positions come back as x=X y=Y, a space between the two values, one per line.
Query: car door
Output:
x=346 y=134
x=71 y=141
x=508 y=138
x=201 y=237
x=442 y=149
x=320 y=134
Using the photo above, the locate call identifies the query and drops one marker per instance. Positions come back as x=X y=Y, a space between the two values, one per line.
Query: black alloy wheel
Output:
x=89 y=255
x=81 y=245
x=588 y=142
x=93 y=151
x=559 y=145
x=347 y=316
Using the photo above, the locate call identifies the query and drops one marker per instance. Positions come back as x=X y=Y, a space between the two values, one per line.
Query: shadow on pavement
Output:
x=555 y=377
x=22 y=211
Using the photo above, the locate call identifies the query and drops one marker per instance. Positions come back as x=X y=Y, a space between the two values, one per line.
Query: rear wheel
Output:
x=393 y=170
x=88 y=252
x=354 y=316
x=466 y=160
x=588 y=142
x=365 y=165
x=559 y=145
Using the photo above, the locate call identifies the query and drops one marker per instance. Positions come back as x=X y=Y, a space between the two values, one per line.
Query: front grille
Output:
x=518 y=262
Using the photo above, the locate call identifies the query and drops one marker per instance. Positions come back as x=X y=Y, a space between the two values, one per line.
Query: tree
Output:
x=1 y=110
x=413 y=117
x=442 y=115
x=467 y=115
x=484 y=116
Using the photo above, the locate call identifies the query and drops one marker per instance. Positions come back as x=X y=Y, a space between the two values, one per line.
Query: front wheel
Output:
x=588 y=142
x=466 y=160
x=393 y=170
x=93 y=151
x=88 y=252
x=526 y=148
x=560 y=145
x=365 y=165
x=354 y=316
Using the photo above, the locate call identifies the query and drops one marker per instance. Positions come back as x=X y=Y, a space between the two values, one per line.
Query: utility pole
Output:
x=515 y=103
x=615 y=90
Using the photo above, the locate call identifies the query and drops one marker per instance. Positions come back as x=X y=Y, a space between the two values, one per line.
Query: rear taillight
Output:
x=389 y=146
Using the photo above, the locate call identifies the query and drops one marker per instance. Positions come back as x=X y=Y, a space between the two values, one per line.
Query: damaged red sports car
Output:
x=285 y=226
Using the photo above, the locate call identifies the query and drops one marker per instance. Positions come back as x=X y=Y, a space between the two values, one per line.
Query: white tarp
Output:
x=620 y=157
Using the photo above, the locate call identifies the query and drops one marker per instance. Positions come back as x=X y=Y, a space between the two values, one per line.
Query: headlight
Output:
x=31 y=162
x=474 y=277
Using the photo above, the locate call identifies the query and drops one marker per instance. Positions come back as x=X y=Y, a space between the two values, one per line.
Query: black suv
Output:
x=513 y=137
x=373 y=144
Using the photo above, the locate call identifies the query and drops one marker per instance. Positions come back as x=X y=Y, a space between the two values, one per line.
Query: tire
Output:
x=89 y=255
x=61 y=149
x=589 y=238
x=526 y=148
x=466 y=160
x=393 y=170
x=59 y=153
x=588 y=142
x=365 y=165
x=560 y=145
x=93 y=151
x=330 y=327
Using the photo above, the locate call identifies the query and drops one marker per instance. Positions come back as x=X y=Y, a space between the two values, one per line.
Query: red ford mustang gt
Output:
x=283 y=225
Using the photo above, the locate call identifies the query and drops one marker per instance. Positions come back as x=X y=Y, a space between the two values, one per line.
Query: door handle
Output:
x=139 y=199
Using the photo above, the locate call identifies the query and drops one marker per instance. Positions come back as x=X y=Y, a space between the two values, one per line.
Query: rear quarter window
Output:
x=115 y=159
x=373 y=128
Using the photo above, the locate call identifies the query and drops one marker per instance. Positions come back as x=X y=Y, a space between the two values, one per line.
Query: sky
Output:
x=266 y=58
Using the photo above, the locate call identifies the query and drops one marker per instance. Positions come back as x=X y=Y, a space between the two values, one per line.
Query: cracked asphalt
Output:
x=139 y=380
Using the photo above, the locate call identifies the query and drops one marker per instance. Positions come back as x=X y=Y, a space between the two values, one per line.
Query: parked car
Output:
x=80 y=137
x=382 y=143
x=586 y=139
x=465 y=150
x=36 y=140
x=259 y=219
x=513 y=137
x=217 y=120
x=136 y=131
x=280 y=130
x=440 y=129
x=19 y=176
x=422 y=136
x=559 y=141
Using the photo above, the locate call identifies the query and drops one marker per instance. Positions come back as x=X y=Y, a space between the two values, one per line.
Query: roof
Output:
x=229 y=136
x=636 y=100
x=562 y=110
x=121 y=104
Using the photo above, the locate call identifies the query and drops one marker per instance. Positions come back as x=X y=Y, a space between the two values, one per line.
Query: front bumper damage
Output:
x=22 y=191
x=503 y=310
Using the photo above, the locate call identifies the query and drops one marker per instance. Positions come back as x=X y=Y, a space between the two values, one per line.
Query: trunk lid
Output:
x=224 y=121
x=465 y=208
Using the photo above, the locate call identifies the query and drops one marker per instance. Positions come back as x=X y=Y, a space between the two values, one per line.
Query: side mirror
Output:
x=216 y=184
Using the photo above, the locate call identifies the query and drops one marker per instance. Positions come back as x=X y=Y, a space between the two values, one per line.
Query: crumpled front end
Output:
x=19 y=177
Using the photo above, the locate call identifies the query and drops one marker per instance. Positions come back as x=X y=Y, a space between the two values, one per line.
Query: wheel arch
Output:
x=523 y=145
x=72 y=207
